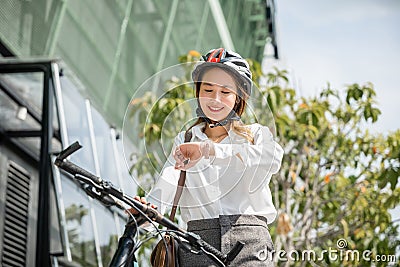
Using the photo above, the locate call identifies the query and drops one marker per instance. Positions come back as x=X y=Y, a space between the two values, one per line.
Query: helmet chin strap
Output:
x=232 y=116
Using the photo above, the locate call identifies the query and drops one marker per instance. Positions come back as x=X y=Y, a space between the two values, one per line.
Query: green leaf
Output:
x=357 y=94
x=375 y=113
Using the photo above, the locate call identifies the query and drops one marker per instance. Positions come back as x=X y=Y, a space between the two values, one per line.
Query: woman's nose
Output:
x=216 y=96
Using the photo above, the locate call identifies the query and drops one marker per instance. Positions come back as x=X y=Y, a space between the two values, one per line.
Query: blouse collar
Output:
x=198 y=131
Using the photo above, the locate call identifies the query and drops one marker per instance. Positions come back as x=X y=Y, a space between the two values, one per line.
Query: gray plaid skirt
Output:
x=223 y=232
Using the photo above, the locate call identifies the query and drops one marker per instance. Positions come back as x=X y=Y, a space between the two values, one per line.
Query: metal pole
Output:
x=117 y=56
x=54 y=32
x=64 y=140
x=202 y=27
x=43 y=227
x=167 y=34
x=220 y=21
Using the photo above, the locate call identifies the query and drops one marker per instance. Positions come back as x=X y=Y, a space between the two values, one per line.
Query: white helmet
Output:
x=227 y=60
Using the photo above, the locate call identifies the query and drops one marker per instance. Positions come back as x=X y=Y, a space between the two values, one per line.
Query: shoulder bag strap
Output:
x=181 y=183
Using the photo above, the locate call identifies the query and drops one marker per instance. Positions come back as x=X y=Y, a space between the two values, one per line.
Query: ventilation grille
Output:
x=16 y=216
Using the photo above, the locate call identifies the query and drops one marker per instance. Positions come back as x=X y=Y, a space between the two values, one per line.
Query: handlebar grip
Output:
x=234 y=251
x=207 y=247
x=68 y=151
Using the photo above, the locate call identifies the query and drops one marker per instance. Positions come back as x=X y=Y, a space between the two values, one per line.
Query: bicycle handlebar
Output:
x=109 y=195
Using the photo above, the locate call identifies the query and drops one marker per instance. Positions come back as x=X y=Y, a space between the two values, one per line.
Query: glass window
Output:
x=13 y=117
x=55 y=231
x=28 y=87
x=77 y=124
x=105 y=153
x=108 y=237
x=78 y=223
x=129 y=185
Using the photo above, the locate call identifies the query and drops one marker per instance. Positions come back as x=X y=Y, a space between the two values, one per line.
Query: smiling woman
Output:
x=228 y=166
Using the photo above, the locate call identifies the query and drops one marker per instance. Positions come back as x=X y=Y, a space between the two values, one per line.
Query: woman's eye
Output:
x=226 y=92
x=208 y=90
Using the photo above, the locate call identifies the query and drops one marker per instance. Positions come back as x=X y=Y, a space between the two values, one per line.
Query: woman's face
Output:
x=217 y=94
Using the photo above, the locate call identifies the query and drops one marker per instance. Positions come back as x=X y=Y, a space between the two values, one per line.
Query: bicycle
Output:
x=110 y=195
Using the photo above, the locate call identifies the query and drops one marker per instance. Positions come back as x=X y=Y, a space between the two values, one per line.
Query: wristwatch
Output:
x=206 y=147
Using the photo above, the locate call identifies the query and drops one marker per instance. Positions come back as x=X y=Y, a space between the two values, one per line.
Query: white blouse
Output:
x=234 y=181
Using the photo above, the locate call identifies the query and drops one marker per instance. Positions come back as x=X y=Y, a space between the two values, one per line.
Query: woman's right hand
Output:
x=143 y=200
x=187 y=155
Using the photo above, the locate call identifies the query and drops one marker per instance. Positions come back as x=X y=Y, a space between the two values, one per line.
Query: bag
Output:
x=158 y=256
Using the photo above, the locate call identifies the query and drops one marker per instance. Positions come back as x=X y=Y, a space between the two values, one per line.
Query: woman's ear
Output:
x=237 y=101
x=238 y=105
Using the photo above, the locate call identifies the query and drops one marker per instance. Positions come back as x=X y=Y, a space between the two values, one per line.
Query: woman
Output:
x=228 y=165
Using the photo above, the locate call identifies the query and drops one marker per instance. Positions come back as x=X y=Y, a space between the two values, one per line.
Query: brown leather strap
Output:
x=181 y=183
x=178 y=194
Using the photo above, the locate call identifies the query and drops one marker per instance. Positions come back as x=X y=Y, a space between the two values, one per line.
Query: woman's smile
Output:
x=215 y=109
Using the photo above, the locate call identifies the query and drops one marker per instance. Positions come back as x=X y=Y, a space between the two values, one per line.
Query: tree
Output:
x=337 y=182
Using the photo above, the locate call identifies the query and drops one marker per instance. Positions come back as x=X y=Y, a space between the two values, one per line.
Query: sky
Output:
x=343 y=42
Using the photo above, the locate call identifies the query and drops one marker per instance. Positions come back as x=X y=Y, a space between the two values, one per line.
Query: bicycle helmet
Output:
x=228 y=61
x=232 y=63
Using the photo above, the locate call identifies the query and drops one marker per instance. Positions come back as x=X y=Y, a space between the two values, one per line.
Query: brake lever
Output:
x=107 y=200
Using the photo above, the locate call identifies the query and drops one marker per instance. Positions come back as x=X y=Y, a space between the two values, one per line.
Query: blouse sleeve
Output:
x=263 y=158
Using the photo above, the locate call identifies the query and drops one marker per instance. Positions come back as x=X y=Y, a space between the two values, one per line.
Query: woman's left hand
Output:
x=187 y=155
